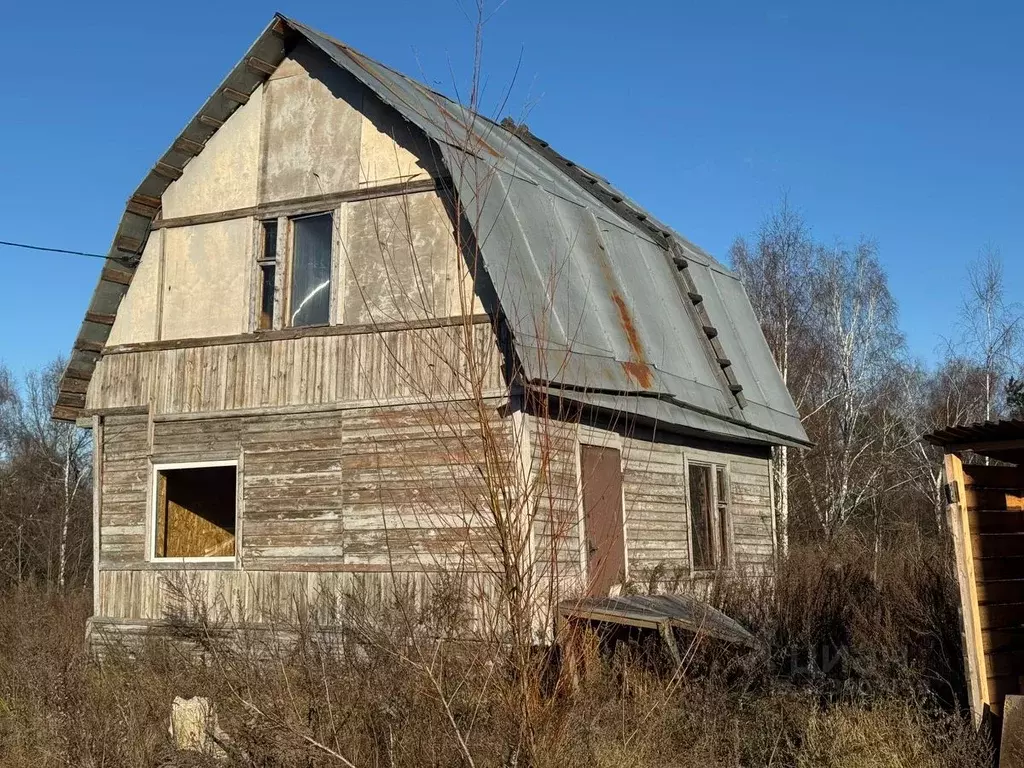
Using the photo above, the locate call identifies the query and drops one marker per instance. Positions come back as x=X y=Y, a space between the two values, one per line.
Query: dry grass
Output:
x=386 y=696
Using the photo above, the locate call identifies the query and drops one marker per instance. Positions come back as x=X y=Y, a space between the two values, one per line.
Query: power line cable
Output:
x=57 y=250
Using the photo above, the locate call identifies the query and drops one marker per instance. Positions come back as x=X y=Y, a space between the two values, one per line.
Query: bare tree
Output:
x=852 y=381
x=775 y=273
x=990 y=327
x=45 y=478
x=954 y=393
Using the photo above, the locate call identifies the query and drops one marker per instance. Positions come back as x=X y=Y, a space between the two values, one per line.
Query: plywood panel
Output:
x=206 y=279
x=311 y=128
x=223 y=176
x=402 y=262
x=137 y=316
x=390 y=150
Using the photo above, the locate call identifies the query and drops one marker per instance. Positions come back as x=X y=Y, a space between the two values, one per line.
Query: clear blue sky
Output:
x=903 y=124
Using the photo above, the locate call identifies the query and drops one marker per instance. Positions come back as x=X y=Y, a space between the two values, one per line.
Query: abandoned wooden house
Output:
x=986 y=519
x=347 y=324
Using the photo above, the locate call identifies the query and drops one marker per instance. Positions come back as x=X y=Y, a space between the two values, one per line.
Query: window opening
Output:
x=195 y=511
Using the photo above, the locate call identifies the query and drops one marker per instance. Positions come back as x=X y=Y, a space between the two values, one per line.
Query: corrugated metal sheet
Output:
x=980 y=433
x=586 y=279
x=653 y=611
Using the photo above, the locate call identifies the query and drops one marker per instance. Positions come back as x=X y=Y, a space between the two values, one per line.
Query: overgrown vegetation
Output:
x=860 y=656
x=860 y=667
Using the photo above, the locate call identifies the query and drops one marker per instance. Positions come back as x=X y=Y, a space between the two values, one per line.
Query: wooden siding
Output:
x=421 y=363
x=993 y=501
x=373 y=489
x=554 y=479
x=283 y=597
x=657 y=518
x=124 y=457
x=655 y=500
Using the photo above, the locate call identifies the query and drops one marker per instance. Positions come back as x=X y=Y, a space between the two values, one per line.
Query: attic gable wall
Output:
x=325 y=132
x=310 y=130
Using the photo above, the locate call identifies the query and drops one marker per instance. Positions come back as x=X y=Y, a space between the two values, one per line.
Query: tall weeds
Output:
x=395 y=692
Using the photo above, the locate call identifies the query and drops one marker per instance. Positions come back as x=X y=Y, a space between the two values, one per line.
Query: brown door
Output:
x=602 y=510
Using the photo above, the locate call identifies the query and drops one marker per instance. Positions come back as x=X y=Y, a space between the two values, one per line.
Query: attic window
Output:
x=310 y=300
x=195 y=511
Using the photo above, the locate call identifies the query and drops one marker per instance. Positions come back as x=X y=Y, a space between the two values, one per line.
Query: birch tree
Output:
x=775 y=271
x=853 y=380
x=45 y=483
x=990 y=327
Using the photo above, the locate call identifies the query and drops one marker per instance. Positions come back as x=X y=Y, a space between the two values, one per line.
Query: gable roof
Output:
x=607 y=306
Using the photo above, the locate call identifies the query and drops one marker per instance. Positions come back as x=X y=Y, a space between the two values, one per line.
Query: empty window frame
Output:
x=196 y=511
x=710 y=541
x=310 y=297
x=267 y=274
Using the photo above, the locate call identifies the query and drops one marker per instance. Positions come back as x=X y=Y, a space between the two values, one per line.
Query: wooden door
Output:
x=601 y=470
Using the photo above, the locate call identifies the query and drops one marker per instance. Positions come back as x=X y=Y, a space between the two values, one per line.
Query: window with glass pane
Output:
x=268 y=274
x=310 y=300
x=701 y=515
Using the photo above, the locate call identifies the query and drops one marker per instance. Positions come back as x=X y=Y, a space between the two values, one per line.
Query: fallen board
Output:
x=659 y=612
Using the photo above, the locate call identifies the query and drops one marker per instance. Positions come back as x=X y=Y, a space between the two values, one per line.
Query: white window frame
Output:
x=151 y=555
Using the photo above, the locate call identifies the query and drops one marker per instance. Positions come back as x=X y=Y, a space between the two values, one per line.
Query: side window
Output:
x=267 y=274
x=709 y=516
x=310 y=300
x=195 y=511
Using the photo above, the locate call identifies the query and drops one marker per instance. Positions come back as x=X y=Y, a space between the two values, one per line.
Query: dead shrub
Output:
x=402 y=687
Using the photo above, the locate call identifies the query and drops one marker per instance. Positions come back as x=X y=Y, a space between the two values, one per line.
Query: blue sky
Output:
x=896 y=121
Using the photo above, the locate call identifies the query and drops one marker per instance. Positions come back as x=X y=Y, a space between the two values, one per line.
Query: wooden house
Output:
x=985 y=505
x=352 y=334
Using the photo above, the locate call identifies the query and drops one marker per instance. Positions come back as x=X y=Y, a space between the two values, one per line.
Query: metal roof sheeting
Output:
x=597 y=308
x=977 y=434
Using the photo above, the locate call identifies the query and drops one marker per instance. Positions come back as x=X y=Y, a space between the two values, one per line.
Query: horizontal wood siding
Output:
x=654 y=489
x=750 y=507
x=292 y=489
x=399 y=488
x=554 y=480
x=125 y=477
x=654 y=497
x=417 y=364
x=994 y=497
x=657 y=518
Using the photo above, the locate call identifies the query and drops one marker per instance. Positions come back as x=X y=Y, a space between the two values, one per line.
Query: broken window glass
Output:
x=311 y=270
x=195 y=511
